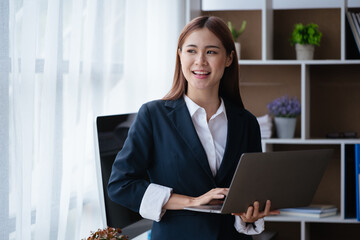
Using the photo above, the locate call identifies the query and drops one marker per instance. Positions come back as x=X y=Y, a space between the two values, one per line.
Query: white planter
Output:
x=304 y=51
x=285 y=127
x=237 y=49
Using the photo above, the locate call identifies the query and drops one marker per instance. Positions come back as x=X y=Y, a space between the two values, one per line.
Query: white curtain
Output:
x=72 y=60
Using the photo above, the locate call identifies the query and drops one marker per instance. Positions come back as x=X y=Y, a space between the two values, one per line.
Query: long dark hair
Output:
x=229 y=83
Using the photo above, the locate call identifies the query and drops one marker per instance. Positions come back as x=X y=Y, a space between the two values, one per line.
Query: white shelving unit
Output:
x=307 y=76
x=305 y=82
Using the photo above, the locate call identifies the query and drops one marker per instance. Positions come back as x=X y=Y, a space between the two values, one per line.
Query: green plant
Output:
x=306 y=34
x=108 y=233
x=236 y=33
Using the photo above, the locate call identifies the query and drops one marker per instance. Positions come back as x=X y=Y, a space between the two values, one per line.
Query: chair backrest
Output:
x=111 y=132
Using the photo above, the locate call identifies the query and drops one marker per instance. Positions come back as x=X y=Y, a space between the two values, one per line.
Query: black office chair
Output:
x=111 y=134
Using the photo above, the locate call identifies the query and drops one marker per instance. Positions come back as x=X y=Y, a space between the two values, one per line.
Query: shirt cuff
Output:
x=155 y=197
x=249 y=229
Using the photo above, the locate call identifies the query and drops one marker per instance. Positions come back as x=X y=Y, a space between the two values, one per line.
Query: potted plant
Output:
x=305 y=38
x=285 y=110
x=236 y=34
x=108 y=233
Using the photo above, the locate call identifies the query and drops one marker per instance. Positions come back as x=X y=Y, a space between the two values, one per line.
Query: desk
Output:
x=138 y=230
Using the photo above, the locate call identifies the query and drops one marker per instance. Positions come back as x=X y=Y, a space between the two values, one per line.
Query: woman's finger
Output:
x=249 y=212
x=213 y=194
x=217 y=191
x=274 y=212
x=253 y=213
x=256 y=209
x=267 y=208
x=218 y=196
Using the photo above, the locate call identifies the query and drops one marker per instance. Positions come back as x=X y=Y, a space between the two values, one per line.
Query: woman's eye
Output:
x=191 y=51
x=211 y=52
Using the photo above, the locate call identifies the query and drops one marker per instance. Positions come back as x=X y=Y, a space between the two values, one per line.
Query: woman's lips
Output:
x=201 y=74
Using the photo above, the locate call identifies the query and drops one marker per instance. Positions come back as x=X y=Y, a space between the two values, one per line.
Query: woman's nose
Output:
x=201 y=59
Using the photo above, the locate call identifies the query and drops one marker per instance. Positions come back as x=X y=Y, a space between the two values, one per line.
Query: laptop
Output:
x=286 y=178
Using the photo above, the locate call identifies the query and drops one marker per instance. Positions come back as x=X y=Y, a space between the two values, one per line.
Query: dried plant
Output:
x=108 y=233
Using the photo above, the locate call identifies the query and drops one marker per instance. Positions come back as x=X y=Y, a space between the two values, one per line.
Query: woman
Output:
x=189 y=143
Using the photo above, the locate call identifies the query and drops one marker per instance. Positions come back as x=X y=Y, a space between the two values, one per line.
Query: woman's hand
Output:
x=214 y=196
x=178 y=202
x=252 y=214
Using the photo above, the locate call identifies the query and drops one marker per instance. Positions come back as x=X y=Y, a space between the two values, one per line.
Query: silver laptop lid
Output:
x=287 y=178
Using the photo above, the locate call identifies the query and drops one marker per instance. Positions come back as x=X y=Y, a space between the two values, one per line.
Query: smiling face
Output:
x=203 y=61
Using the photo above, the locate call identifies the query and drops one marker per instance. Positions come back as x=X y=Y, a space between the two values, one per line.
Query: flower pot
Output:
x=304 y=51
x=237 y=49
x=285 y=127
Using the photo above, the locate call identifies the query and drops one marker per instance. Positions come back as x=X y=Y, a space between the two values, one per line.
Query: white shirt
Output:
x=212 y=136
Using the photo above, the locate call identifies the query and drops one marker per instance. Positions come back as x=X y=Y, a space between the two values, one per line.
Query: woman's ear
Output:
x=229 y=59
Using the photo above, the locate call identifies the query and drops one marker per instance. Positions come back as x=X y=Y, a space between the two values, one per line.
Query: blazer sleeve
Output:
x=254 y=136
x=128 y=181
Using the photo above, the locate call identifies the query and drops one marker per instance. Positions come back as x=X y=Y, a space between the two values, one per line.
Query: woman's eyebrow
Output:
x=208 y=46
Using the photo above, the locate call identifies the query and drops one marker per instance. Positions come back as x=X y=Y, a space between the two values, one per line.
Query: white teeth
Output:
x=201 y=72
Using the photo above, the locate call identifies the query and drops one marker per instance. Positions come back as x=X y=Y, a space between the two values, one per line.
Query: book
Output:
x=357 y=177
x=314 y=211
x=265 y=123
x=349 y=183
x=356 y=23
x=353 y=29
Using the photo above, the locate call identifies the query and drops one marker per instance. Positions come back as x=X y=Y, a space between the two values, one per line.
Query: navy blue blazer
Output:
x=163 y=143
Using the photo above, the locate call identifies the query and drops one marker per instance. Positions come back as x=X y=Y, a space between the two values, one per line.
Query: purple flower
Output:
x=285 y=107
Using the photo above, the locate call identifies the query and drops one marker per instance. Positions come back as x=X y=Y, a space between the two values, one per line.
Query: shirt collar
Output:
x=193 y=107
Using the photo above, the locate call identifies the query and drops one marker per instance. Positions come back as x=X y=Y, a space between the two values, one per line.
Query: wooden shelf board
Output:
x=334 y=219
x=299 y=62
x=310 y=141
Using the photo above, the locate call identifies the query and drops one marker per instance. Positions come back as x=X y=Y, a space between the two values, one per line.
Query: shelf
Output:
x=299 y=62
x=310 y=141
x=334 y=219
x=334 y=99
x=269 y=62
x=215 y=5
x=328 y=88
x=250 y=39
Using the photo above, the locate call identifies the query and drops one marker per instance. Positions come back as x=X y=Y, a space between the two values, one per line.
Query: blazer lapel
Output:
x=180 y=117
x=234 y=138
